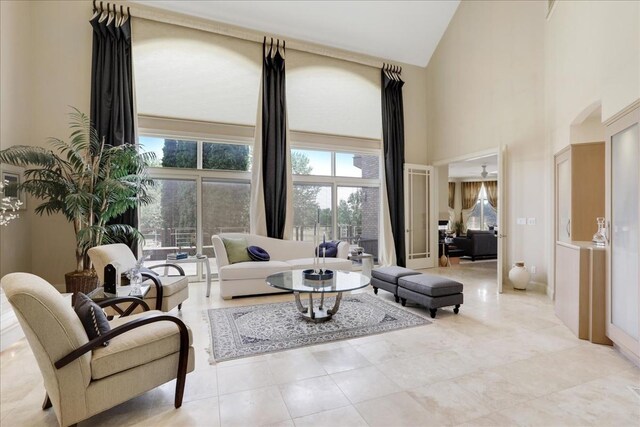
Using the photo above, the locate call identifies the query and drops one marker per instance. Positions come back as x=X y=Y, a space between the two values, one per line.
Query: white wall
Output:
x=504 y=74
x=46 y=65
x=15 y=119
x=592 y=57
x=486 y=88
x=48 y=70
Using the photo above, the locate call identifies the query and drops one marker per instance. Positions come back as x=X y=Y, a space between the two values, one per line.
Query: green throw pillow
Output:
x=236 y=250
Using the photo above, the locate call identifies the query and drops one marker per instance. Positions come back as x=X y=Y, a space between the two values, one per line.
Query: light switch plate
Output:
x=522 y=221
x=531 y=221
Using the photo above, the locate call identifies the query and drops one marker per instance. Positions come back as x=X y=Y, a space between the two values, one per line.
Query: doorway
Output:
x=471 y=226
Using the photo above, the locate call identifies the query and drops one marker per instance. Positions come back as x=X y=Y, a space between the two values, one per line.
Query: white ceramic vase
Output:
x=519 y=276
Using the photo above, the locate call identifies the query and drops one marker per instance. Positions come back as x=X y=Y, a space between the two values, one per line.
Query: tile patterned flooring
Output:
x=504 y=360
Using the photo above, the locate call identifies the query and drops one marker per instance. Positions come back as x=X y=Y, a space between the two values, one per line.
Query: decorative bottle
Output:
x=600 y=238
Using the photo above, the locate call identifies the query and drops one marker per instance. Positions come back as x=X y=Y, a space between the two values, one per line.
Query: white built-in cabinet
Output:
x=623 y=216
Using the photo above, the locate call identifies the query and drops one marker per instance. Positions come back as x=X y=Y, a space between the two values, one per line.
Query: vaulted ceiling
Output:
x=401 y=31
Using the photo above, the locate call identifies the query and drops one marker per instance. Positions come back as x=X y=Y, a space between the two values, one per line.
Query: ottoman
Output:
x=387 y=278
x=433 y=292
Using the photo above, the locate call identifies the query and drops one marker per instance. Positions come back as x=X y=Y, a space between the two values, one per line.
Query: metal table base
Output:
x=317 y=314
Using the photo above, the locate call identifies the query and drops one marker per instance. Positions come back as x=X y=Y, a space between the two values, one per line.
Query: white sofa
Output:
x=248 y=278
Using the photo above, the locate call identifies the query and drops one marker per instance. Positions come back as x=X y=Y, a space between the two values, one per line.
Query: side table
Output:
x=367 y=263
x=202 y=259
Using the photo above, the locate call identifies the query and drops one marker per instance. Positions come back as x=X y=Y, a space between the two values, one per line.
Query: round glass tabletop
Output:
x=342 y=281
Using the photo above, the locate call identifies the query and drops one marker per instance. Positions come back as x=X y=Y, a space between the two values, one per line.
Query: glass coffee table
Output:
x=342 y=281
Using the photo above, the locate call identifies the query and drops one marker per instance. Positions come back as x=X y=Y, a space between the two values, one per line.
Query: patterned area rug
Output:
x=256 y=329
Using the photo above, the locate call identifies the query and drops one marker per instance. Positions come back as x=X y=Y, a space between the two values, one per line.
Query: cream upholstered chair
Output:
x=83 y=378
x=168 y=292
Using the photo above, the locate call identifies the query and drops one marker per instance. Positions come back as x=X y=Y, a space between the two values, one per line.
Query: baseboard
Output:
x=537 y=287
x=627 y=354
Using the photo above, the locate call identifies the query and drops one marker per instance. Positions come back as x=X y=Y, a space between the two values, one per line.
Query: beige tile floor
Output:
x=504 y=360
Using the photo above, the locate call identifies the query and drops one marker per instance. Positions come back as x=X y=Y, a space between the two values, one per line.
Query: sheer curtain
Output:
x=452 y=203
x=470 y=193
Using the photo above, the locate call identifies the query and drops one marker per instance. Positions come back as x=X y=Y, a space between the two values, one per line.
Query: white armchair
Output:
x=168 y=292
x=81 y=376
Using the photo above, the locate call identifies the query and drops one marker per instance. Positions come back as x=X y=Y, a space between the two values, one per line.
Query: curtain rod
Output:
x=175 y=18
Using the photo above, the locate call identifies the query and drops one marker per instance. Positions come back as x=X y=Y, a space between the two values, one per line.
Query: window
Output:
x=171 y=153
x=358 y=213
x=357 y=165
x=225 y=209
x=169 y=223
x=483 y=214
x=311 y=203
x=341 y=190
x=225 y=156
x=202 y=188
x=311 y=162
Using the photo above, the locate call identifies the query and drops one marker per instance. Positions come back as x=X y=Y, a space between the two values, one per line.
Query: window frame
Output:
x=481 y=200
x=198 y=174
x=340 y=181
x=202 y=132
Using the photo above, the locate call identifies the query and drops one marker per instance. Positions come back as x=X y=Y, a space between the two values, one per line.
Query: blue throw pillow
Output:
x=256 y=253
x=332 y=249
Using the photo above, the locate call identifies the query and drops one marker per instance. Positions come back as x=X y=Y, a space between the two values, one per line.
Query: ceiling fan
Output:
x=484 y=172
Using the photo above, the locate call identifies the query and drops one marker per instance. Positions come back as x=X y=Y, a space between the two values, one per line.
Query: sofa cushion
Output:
x=392 y=274
x=236 y=250
x=252 y=270
x=331 y=247
x=170 y=285
x=92 y=317
x=256 y=253
x=331 y=263
x=136 y=347
x=434 y=286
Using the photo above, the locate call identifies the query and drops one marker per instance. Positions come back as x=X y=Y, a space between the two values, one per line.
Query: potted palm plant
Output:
x=90 y=183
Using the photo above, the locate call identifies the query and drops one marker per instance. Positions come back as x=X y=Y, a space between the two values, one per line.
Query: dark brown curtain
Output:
x=112 y=108
x=393 y=144
x=274 y=138
x=492 y=193
x=470 y=192
x=452 y=195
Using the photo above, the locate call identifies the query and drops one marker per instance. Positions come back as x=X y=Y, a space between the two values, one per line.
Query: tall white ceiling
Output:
x=402 y=31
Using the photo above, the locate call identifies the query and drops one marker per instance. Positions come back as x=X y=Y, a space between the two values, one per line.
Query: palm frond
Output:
x=86 y=180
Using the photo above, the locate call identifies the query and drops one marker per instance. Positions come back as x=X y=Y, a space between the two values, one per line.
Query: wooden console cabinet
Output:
x=580 y=267
x=581 y=290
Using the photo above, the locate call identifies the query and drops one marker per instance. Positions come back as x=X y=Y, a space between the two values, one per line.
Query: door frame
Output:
x=626 y=343
x=501 y=152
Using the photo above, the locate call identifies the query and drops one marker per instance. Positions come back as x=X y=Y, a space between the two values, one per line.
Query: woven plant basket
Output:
x=80 y=281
